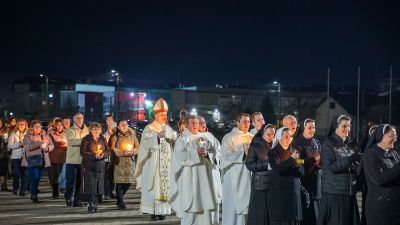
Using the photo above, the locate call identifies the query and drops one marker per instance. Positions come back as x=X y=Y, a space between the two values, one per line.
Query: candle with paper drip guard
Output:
x=98 y=151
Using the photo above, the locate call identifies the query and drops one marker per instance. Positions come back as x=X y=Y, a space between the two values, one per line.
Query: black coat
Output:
x=382 y=170
x=257 y=162
x=308 y=150
x=339 y=164
x=93 y=169
x=285 y=185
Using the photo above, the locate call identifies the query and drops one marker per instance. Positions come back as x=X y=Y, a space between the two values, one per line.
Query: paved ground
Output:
x=20 y=210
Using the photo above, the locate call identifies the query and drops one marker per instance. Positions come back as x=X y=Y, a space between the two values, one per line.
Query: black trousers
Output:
x=121 y=189
x=73 y=174
x=109 y=180
x=54 y=173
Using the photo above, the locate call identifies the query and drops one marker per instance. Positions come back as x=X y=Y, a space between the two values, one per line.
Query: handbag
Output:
x=35 y=160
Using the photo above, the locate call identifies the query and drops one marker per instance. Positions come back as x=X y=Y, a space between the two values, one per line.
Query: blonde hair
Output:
x=21 y=121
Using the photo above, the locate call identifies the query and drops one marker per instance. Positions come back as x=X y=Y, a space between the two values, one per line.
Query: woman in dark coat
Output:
x=93 y=166
x=382 y=170
x=310 y=150
x=285 y=197
x=257 y=162
x=339 y=159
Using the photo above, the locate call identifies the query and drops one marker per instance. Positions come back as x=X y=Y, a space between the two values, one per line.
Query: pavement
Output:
x=20 y=210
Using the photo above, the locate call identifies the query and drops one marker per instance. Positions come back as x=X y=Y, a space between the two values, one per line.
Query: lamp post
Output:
x=115 y=74
x=46 y=93
x=278 y=84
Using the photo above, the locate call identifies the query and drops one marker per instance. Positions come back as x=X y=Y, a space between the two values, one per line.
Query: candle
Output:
x=129 y=147
x=98 y=150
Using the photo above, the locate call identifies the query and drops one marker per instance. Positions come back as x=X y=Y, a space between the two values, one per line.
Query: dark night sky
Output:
x=180 y=41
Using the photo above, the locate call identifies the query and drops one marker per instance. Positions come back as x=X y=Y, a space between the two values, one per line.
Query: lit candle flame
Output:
x=129 y=147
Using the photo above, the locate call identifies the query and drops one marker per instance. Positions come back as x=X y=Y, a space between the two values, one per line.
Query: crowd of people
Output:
x=267 y=175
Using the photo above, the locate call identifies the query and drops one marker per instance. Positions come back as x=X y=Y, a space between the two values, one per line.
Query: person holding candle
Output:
x=58 y=155
x=310 y=150
x=125 y=146
x=15 y=145
x=154 y=164
x=285 y=186
x=193 y=194
x=340 y=158
x=236 y=179
x=36 y=143
x=93 y=148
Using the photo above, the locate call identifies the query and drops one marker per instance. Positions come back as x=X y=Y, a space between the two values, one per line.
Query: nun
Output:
x=257 y=163
x=310 y=150
x=339 y=160
x=381 y=165
x=285 y=187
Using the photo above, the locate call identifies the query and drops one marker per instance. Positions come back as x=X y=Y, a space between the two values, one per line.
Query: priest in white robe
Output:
x=193 y=195
x=154 y=164
x=236 y=180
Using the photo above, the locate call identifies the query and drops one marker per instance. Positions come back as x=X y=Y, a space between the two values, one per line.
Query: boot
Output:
x=4 y=187
x=34 y=199
x=56 y=194
x=91 y=208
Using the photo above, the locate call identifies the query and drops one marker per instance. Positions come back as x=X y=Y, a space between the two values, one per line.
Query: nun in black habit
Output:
x=257 y=163
x=285 y=187
x=381 y=165
x=310 y=150
x=339 y=160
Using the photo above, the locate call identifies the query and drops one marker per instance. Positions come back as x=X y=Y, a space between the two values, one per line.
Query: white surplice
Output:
x=153 y=169
x=236 y=180
x=193 y=194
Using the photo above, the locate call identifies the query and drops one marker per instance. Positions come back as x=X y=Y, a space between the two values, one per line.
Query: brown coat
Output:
x=124 y=165
x=32 y=145
x=59 y=153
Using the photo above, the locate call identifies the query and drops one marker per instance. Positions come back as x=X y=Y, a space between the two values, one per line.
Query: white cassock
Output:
x=192 y=193
x=154 y=168
x=236 y=180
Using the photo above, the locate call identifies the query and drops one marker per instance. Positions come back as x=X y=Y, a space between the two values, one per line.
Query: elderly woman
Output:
x=310 y=150
x=257 y=162
x=92 y=149
x=339 y=159
x=285 y=183
x=382 y=170
x=125 y=146
x=37 y=145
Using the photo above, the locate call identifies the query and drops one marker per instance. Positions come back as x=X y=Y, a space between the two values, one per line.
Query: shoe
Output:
x=15 y=192
x=101 y=198
x=68 y=202
x=4 y=188
x=107 y=197
x=34 y=199
x=122 y=206
x=22 y=194
x=91 y=208
x=154 y=217
x=77 y=204
x=56 y=194
x=161 y=217
x=62 y=190
x=95 y=207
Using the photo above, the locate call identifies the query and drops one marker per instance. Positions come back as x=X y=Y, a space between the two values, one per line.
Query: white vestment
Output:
x=236 y=180
x=193 y=194
x=154 y=168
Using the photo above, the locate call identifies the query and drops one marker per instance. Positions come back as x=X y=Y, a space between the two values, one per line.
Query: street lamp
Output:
x=47 y=93
x=115 y=74
x=278 y=84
